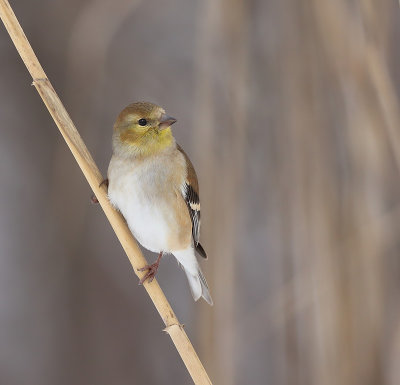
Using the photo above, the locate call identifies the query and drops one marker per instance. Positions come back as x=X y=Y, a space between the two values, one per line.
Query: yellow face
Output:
x=144 y=127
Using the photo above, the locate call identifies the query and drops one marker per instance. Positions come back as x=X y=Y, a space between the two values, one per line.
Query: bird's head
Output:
x=142 y=129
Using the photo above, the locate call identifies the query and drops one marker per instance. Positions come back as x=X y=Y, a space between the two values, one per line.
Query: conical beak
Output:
x=166 y=121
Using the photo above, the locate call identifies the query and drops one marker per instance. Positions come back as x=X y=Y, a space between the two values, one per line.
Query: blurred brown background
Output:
x=290 y=112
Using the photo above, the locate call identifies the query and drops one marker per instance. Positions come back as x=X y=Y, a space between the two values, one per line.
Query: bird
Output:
x=152 y=182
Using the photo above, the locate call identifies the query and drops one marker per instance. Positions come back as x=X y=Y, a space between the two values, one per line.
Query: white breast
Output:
x=137 y=190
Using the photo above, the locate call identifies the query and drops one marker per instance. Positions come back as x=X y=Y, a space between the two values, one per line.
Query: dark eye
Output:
x=142 y=122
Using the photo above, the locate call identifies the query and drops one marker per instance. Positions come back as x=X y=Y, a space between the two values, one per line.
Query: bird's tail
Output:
x=197 y=282
x=198 y=286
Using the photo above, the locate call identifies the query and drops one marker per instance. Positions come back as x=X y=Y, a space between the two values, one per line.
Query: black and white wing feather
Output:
x=193 y=203
x=190 y=193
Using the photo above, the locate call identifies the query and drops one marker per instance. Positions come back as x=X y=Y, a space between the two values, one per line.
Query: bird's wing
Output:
x=190 y=193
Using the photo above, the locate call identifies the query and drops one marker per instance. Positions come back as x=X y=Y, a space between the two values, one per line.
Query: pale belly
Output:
x=148 y=224
x=143 y=195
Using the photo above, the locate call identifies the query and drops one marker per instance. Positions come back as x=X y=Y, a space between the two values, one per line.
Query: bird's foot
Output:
x=151 y=270
x=105 y=182
x=93 y=198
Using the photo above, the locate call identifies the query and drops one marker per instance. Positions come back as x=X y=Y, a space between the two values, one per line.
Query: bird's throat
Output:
x=150 y=143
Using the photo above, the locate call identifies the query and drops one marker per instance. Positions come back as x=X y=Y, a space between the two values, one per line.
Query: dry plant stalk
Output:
x=94 y=178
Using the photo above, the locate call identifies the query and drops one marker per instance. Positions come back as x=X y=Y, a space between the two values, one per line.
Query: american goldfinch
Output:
x=152 y=182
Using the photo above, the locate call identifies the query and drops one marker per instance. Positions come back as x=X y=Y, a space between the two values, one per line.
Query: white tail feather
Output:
x=197 y=282
x=198 y=286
